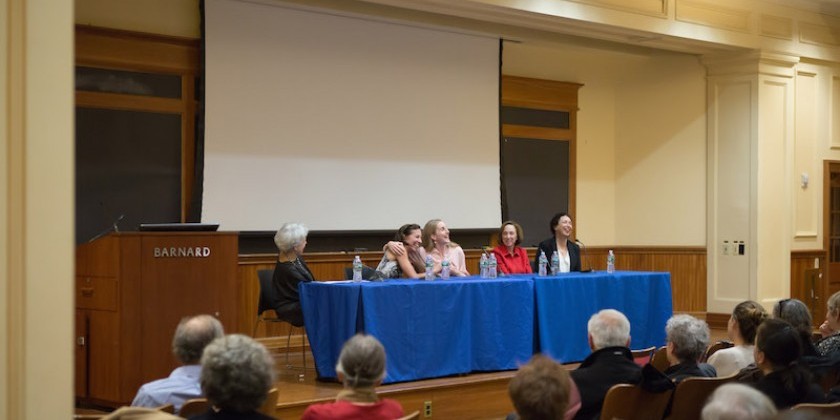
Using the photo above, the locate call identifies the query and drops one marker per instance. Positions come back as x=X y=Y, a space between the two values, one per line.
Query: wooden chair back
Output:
x=830 y=379
x=660 y=360
x=413 y=416
x=720 y=345
x=631 y=402
x=829 y=410
x=167 y=408
x=269 y=407
x=643 y=356
x=691 y=395
x=193 y=407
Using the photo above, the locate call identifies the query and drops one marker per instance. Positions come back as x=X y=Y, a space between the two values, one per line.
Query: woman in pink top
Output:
x=439 y=247
x=361 y=367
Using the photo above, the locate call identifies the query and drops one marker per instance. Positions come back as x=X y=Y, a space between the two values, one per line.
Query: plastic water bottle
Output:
x=492 y=265
x=555 y=263
x=430 y=268
x=482 y=266
x=611 y=262
x=357 y=269
x=542 y=262
x=444 y=269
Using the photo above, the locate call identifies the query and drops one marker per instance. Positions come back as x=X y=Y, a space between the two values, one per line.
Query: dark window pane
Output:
x=127 y=163
x=535 y=117
x=128 y=82
x=531 y=168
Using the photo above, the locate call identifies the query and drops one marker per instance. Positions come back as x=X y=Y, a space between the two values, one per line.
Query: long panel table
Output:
x=565 y=304
x=446 y=327
x=428 y=328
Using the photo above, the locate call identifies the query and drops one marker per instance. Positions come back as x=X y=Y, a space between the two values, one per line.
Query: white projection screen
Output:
x=346 y=123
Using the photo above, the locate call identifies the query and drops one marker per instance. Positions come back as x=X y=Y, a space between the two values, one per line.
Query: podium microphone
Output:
x=112 y=228
x=116 y=222
x=585 y=255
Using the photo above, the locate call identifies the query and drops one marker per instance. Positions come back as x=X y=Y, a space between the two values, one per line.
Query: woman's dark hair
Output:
x=413 y=256
x=556 y=220
x=749 y=315
x=405 y=230
x=782 y=347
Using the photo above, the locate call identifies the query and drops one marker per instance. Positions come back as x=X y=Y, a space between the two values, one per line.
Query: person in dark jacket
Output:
x=778 y=349
x=687 y=338
x=561 y=243
x=609 y=364
x=290 y=271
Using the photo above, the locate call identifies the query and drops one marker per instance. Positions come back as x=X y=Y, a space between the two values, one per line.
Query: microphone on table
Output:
x=586 y=256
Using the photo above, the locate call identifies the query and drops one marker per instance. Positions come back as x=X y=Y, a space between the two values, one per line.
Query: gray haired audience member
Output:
x=237 y=373
x=361 y=367
x=289 y=272
x=542 y=390
x=797 y=314
x=738 y=402
x=687 y=338
x=610 y=362
x=192 y=335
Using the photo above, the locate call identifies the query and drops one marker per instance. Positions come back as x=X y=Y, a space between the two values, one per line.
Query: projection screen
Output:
x=345 y=122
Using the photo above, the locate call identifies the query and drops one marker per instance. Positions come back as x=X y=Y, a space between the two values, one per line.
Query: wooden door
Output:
x=831 y=226
x=81 y=354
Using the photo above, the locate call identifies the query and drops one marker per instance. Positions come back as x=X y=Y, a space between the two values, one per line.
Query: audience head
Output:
x=777 y=345
x=510 y=234
x=192 y=335
x=561 y=223
x=608 y=328
x=361 y=363
x=236 y=373
x=796 y=314
x=291 y=237
x=687 y=337
x=435 y=232
x=833 y=315
x=738 y=402
x=540 y=390
x=746 y=317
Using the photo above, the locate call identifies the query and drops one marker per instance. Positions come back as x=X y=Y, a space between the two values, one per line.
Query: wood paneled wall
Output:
x=687 y=266
x=807 y=283
x=810 y=284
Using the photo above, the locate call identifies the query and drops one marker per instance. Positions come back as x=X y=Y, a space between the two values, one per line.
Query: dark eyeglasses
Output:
x=782 y=305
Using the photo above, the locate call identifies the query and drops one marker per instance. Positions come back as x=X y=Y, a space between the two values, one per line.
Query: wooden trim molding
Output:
x=119 y=49
x=717 y=321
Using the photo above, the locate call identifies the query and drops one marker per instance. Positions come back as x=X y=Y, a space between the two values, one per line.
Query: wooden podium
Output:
x=132 y=289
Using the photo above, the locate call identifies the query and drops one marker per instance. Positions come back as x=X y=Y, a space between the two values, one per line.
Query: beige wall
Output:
x=660 y=175
x=165 y=17
x=36 y=210
x=631 y=140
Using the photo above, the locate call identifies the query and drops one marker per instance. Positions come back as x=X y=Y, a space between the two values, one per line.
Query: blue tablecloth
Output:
x=429 y=329
x=566 y=302
x=447 y=327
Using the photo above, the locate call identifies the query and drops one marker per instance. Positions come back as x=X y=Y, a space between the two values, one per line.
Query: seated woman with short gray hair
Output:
x=361 y=367
x=687 y=339
x=236 y=375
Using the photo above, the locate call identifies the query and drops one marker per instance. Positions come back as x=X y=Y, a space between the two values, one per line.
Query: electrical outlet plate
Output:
x=427 y=409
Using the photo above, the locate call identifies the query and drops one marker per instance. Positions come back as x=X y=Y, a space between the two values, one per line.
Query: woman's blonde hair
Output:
x=429 y=230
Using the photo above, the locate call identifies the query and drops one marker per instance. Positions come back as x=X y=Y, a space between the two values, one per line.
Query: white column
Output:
x=36 y=209
x=750 y=145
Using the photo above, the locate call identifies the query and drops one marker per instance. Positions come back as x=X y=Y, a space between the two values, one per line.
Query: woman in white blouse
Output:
x=742 y=326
